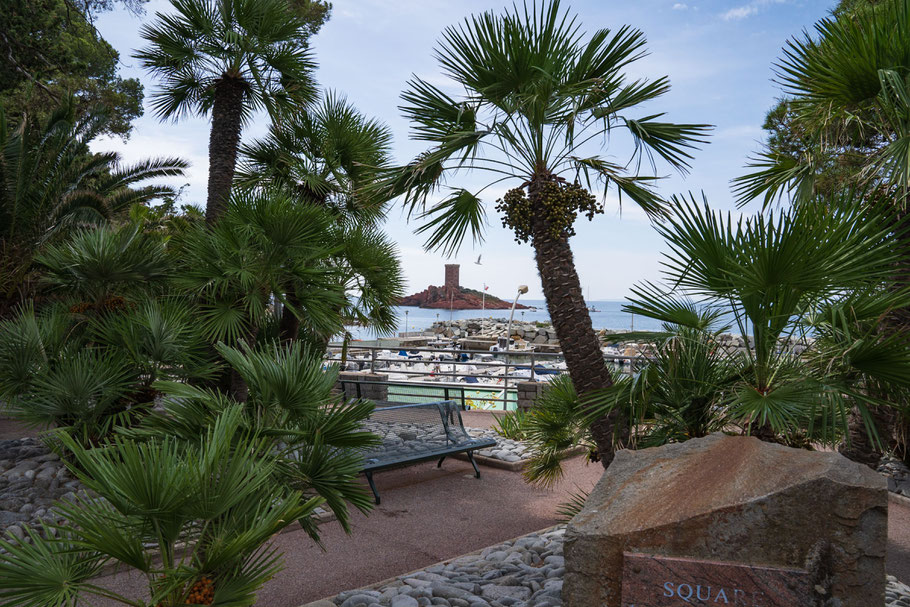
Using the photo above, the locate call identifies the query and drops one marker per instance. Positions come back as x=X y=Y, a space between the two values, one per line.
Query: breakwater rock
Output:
x=533 y=332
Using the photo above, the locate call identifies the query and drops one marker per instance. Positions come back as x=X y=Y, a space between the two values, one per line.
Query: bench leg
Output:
x=369 y=476
x=473 y=463
x=439 y=463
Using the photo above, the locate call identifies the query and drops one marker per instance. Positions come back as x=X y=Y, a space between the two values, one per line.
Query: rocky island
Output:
x=452 y=296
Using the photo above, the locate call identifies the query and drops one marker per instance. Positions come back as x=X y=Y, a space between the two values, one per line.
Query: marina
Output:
x=448 y=369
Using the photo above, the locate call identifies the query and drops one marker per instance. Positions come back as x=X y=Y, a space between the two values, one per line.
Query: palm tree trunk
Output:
x=289 y=325
x=572 y=323
x=224 y=140
x=858 y=446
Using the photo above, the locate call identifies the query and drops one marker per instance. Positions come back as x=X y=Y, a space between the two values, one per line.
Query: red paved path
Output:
x=429 y=515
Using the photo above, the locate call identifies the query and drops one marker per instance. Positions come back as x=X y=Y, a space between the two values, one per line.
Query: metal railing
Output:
x=396 y=393
x=445 y=383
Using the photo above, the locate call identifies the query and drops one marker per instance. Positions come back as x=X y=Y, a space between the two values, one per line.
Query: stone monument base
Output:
x=728 y=520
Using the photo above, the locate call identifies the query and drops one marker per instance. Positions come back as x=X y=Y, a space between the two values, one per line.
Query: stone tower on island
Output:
x=453 y=296
x=452 y=278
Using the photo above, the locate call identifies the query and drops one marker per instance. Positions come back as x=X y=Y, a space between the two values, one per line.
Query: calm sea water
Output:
x=609 y=315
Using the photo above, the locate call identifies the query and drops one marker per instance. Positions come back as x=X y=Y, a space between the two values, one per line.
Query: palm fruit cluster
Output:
x=202 y=592
x=559 y=204
x=111 y=304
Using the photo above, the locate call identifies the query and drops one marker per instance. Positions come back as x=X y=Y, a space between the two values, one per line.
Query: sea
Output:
x=608 y=314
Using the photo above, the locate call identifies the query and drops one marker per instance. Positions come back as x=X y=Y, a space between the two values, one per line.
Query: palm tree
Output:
x=327 y=158
x=231 y=58
x=848 y=100
x=51 y=184
x=537 y=95
x=850 y=107
x=805 y=290
x=818 y=270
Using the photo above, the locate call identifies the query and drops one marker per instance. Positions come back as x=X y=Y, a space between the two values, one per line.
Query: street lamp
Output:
x=406 y=322
x=522 y=289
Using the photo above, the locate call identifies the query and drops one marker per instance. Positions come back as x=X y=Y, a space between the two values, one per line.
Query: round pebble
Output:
x=31 y=479
x=526 y=572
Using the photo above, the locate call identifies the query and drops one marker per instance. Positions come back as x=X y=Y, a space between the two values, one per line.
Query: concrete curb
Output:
x=518 y=466
x=900 y=498
x=327 y=602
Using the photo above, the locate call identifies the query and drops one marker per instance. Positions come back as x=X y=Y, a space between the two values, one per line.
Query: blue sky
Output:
x=718 y=56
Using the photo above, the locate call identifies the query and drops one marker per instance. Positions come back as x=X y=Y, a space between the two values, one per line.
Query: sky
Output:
x=719 y=56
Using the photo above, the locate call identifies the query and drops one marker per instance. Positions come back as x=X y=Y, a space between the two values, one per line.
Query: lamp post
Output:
x=483 y=307
x=406 y=322
x=522 y=289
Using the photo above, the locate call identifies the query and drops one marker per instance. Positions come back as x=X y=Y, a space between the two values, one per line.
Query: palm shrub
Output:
x=88 y=375
x=265 y=257
x=49 y=378
x=50 y=184
x=87 y=362
x=207 y=507
x=370 y=273
x=159 y=338
x=511 y=425
x=230 y=59
x=315 y=439
x=846 y=121
x=555 y=424
x=680 y=392
x=851 y=345
x=329 y=157
x=104 y=267
x=538 y=93
x=264 y=247
x=781 y=275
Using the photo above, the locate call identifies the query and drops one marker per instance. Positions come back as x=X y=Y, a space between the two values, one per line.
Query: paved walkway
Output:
x=428 y=515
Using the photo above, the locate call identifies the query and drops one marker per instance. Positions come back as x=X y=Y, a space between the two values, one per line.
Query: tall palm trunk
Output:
x=570 y=318
x=224 y=140
x=858 y=446
x=289 y=325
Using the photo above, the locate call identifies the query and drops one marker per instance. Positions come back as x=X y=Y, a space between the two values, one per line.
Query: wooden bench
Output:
x=418 y=432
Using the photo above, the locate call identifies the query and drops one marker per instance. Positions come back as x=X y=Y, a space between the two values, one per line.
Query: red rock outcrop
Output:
x=457 y=299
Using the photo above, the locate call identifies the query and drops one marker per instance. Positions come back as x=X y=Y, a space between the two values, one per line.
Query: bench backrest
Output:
x=409 y=431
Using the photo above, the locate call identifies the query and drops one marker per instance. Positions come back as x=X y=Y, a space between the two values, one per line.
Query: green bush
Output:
x=207 y=507
x=89 y=372
x=554 y=425
x=511 y=425
x=316 y=439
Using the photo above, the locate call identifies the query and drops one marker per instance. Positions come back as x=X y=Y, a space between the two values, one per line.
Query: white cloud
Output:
x=747 y=10
x=679 y=6
x=740 y=12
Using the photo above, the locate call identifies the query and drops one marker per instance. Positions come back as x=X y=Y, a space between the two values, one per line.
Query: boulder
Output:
x=734 y=500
